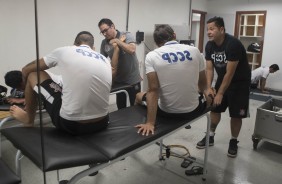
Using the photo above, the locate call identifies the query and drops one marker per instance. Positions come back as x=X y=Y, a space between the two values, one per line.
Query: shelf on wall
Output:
x=250 y=36
x=249 y=28
x=256 y=64
x=252 y=52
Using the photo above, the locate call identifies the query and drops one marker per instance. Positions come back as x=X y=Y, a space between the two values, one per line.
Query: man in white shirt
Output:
x=81 y=105
x=260 y=75
x=176 y=75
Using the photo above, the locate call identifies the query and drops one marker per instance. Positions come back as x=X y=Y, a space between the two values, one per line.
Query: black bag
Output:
x=254 y=47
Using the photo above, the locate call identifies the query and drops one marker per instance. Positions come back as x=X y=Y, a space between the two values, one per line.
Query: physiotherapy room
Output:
x=59 y=22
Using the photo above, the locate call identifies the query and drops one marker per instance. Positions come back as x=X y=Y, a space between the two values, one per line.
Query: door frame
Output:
x=202 y=28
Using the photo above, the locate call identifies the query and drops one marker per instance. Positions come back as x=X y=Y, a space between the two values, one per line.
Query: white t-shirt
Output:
x=177 y=66
x=258 y=73
x=87 y=80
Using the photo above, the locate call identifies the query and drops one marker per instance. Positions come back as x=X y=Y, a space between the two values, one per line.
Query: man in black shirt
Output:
x=227 y=56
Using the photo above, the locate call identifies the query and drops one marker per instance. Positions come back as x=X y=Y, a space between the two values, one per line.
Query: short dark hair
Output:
x=84 y=37
x=274 y=67
x=163 y=33
x=218 y=21
x=14 y=78
x=105 y=21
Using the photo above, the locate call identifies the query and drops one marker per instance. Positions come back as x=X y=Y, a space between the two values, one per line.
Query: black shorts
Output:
x=51 y=95
x=254 y=86
x=237 y=100
x=132 y=91
x=189 y=115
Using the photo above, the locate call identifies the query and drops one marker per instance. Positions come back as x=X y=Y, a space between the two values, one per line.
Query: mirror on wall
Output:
x=197 y=28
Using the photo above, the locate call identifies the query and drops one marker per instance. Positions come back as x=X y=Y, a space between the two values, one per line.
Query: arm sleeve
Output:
x=265 y=72
x=233 y=51
x=53 y=58
x=129 y=38
x=208 y=51
x=149 y=63
x=202 y=64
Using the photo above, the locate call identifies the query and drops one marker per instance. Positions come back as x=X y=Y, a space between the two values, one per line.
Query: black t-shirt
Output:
x=231 y=50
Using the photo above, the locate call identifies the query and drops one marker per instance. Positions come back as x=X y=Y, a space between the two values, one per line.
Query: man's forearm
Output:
x=262 y=84
x=202 y=83
x=224 y=85
x=127 y=47
x=114 y=61
x=209 y=78
x=152 y=106
x=32 y=67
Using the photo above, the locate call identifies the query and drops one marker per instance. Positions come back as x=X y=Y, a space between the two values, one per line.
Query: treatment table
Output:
x=99 y=150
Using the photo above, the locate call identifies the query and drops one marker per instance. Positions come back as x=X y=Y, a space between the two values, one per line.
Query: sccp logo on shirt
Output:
x=90 y=54
x=177 y=56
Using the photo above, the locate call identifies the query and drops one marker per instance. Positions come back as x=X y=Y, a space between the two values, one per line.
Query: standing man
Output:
x=176 y=75
x=126 y=69
x=260 y=75
x=227 y=56
x=81 y=105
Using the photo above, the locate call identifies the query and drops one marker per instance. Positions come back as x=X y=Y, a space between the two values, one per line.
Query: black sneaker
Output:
x=232 y=150
x=202 y=144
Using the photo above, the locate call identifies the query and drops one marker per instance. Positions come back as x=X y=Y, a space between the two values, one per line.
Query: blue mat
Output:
x=260 y=97
x=271 y=92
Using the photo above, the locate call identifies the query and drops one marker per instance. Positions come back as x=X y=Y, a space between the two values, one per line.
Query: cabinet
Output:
x=249 y=28
x=254 y=59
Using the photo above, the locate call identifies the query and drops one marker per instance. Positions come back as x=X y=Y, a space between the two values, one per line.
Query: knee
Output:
x=32 y=78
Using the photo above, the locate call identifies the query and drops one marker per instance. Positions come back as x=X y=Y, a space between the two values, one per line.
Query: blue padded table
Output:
x=256 y=94
x=101 y=149
x=271 y=92
x=5 y=107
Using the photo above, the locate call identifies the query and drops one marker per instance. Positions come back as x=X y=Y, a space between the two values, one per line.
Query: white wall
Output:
x=145 y=14
x=58 y=24
x=272 y=37
x=60 y=21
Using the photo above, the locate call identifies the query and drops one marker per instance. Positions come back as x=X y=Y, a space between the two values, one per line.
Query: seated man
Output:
x=176 y=75
x=260 y=75
x=81 y=105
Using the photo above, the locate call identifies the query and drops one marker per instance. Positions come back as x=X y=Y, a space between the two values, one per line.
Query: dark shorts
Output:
x=189 y=115
x=237 y=100
x=254 y=85
x=132 y=90
x=51 y=94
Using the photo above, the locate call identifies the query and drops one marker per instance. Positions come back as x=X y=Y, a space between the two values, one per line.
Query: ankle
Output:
x=212 y=133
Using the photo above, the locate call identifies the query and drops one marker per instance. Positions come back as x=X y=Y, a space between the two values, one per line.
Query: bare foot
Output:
x=20 y=115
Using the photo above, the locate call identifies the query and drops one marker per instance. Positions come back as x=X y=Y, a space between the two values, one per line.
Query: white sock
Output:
x=233 y=137
x=212 y=133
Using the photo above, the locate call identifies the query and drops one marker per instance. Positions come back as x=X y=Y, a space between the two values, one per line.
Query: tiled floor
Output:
x=259 y=166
